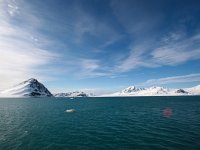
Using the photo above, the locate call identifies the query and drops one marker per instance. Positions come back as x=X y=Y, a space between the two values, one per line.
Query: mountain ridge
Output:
x=28 y=88
x=33 y=88
x=156 y=91
x=72 y=94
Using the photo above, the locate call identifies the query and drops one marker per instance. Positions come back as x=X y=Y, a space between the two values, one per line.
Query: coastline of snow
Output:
x=155 y=91
x=33 y=88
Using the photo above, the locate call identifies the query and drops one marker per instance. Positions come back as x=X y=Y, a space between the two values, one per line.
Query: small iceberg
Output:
x=70 y=110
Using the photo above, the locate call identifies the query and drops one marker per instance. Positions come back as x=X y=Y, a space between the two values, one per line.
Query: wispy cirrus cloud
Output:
x=113 y=42
x=137 y=57
x=174 y=79
x=90 y=68
x=173 y=49
x=177 y=48
x=22 y=47
x=25 y=51
x=150 y=47
x=81 y=28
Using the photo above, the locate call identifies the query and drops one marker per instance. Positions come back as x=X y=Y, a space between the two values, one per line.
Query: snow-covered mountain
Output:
x=33 y=88
x=28 y=88
x=194 y=90
x=156 y=91
x=71 y=94
x=131 y=89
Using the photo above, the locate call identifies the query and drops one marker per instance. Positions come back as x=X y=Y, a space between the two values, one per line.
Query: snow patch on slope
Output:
x=71 y=94
x=194 y=90
x=28 y=88
x=156 y=91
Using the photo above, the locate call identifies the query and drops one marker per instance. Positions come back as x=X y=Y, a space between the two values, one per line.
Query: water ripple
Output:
x=100 y=123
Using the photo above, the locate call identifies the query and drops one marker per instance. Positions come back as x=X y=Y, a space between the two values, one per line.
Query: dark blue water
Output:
x=100 y=123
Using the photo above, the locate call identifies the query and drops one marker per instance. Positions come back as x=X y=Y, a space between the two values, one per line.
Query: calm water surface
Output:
x=100 y=123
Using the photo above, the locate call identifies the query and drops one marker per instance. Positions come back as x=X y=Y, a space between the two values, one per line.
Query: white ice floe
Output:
x=70 y=110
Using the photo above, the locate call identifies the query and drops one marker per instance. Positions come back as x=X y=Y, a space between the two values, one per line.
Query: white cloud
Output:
x=177 y=49
x=90 y=68
x=136 y=58
x=89 y=64
x=24 y=54
x=174 y=79
x=148 y=48
x=174 y=55
x=173 y=49
x=79 y=26
x=21 y=55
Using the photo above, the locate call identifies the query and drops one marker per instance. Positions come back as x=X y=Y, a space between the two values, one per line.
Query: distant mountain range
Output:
x=156 y=91
x=33 y=88
x=71 y=94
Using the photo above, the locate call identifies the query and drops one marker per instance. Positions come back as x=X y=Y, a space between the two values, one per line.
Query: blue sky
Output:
x=100 y=45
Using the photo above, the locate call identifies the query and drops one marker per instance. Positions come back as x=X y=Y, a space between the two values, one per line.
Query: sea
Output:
x=100 y=123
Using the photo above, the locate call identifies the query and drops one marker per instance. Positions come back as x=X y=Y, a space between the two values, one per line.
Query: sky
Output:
x=100 y=46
